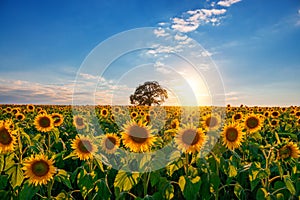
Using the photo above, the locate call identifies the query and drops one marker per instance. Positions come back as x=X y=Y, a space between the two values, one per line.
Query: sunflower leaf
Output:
x=125 y=180
x=16 y=175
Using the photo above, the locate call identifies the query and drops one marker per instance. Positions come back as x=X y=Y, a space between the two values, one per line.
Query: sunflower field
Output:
x=52 y=152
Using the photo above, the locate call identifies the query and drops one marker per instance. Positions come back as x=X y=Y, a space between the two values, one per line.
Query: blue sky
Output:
x=254 y=44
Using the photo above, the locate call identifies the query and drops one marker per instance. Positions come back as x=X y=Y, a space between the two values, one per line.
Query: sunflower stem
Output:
x=49 y=188
x=146 y=180
x=186 y=164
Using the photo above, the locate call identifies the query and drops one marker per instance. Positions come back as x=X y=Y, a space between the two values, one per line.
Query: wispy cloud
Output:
x=227 y=3
x=192 y=19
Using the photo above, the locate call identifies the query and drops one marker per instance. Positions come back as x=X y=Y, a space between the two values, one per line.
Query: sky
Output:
x=61 y=52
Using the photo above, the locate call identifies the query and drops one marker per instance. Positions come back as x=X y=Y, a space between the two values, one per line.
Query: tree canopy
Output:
x=150 y=93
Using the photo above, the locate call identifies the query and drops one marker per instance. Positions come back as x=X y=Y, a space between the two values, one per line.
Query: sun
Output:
x=190 y=139
x=39 y=169
x=137 y=136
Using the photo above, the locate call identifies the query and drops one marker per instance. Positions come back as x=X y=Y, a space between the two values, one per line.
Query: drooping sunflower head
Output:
x=232 y=136
x=79 y=122
x=290 y=150
x=7 y=137
x=84 y=147
x=190 y=139
x=137 y=136
x=58 y=119
x=43 y=123
x=211 y=122
x=39 y=169
x=110 y=143
x=253 y=123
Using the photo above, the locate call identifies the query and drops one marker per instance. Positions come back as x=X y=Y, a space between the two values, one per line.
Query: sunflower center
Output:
x=138 y=134
x=44 y=122
x=232 y=134
x=110 y=142
x=273 y=123
x=85 y=146
x=190 y=137
x=211 y=122
x=79 y=121
x=237 y=116
x=5 y=137
x=40 y=168
x=56 y=119
x=252 y=122
x=104 y=112
x=298 y=114
x=19 y=117
x=275 y=114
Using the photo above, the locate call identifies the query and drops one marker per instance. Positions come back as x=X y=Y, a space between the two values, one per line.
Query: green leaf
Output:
x=189 y=187
x=3 y=181
x=102 y=190
x=99 y=164
x=85 y=182
x=181 y=183
x=215 y=181
x=16 y=175
x=238 y=190
x=125 y=180
x=232 y=172
x=262 y=193
x=279 y=196
x=289 y=185
x=174 y=167
x=28 y=191
x=154 y=178
x=64 y=178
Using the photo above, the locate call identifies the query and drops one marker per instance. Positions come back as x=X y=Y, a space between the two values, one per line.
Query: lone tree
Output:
x=149 y=93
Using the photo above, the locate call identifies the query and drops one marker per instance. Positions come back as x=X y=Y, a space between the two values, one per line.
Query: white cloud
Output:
x=160 y=32
x=299 y=12
x=192 y=19
x=227 y=3
x=160 y=67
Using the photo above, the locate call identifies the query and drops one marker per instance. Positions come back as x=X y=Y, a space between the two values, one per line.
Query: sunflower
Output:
x=174 y=124
x=133 y=115
x=110 y=142
x=275 y=114
x=190 y=139
x=232 y=136
x=137 y=136
x=104 y=112
x=7 y=138
x=274 y=123
x=20 y=116
x=290 y=150
x=237 y=116
x=43 y=123
x=79 y=122
x=30 y=108
x=39 y=169
x=58 y=119
x=253 y=123
x=211 y=122
x=297 y=114
x=83 y=147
